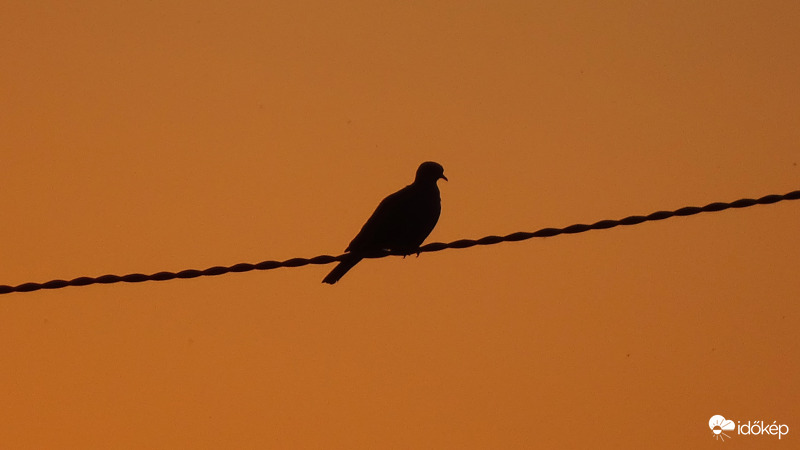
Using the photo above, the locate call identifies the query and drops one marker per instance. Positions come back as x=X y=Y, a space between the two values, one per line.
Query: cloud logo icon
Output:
x=719 y=425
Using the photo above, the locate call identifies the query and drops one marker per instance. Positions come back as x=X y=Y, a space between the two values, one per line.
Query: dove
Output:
x=400 y=223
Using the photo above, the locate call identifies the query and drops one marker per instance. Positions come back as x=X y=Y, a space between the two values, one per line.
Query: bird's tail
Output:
x=341 y=269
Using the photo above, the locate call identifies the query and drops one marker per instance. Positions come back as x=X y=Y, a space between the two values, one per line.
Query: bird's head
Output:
x=429 y=172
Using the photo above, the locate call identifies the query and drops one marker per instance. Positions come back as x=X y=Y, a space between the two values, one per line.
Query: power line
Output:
x=433 y=247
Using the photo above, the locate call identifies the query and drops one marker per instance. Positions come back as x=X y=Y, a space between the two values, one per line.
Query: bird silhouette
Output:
x=400 y=223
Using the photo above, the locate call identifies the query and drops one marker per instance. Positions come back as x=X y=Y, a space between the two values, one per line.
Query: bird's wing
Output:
x=377 y=232
x=401 y=222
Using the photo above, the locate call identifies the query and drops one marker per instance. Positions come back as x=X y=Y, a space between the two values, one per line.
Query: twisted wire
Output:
x=432 y=247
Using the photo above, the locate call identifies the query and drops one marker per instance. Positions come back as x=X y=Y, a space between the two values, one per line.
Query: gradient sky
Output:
x=149 y=136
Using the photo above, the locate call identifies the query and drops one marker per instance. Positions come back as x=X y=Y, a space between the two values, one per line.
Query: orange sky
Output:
x=153 y=136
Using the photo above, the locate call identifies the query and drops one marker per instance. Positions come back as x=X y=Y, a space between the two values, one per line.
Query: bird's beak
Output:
x=445 y=178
